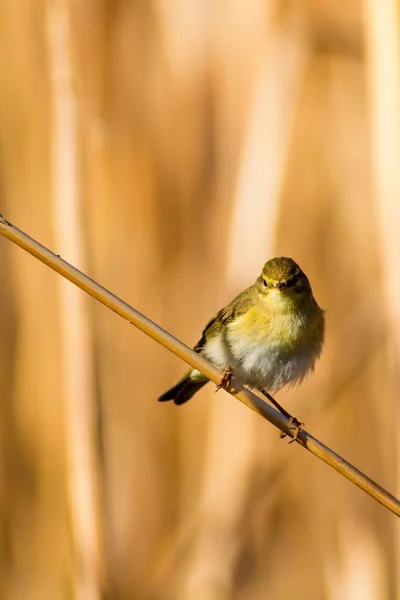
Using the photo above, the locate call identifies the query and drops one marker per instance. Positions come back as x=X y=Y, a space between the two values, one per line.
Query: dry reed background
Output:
x=169 y=149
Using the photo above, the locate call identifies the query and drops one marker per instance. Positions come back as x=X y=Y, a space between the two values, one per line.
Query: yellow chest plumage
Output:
x=270 y=345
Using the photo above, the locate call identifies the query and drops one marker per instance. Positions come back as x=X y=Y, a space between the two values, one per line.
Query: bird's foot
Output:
x=293 y=424
x=225 y=380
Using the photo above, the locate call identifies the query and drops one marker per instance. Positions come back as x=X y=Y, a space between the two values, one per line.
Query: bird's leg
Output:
x=277 y=405
x=225 y=379
x=293 y=422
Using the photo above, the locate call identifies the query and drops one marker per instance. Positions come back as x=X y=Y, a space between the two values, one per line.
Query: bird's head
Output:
x=283 y=278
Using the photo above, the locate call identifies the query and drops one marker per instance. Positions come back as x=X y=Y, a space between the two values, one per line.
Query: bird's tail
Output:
x=184 y=389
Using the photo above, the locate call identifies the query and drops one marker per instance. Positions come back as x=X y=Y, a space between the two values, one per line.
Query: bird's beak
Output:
x=280 y=285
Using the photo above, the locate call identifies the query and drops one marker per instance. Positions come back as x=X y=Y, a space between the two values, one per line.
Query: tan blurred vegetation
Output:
x=168 y=149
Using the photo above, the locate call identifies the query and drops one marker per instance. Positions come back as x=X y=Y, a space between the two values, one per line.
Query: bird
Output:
x=267 y=337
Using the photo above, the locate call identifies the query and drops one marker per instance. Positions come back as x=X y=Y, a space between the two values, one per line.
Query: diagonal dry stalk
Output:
x=250 y=399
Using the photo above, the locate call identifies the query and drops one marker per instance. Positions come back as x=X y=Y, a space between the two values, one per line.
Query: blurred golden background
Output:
x=168 y=149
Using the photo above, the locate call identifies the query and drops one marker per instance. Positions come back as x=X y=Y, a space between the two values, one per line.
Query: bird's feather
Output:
x=239 y=306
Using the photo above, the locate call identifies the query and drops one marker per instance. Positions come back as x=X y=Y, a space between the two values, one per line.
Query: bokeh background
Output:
x=169 y=148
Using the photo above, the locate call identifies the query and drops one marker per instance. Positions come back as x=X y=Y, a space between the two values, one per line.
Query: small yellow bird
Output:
x=269 y=336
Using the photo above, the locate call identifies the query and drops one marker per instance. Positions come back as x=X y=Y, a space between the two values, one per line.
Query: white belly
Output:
x=259 y=365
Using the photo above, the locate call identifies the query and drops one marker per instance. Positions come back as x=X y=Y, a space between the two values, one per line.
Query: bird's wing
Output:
x=238 y=306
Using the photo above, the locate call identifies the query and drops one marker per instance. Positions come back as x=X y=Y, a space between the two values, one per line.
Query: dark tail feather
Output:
x=184 y=389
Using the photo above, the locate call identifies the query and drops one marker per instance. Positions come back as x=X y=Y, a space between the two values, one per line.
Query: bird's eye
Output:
x=295 y=280
x=265 y=283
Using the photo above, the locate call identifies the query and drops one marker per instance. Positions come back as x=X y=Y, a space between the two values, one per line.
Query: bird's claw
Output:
x=296 y=425
x=225 y=380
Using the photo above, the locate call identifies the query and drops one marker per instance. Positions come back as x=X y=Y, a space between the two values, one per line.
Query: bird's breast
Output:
x=286 y=330
x=272 y=352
